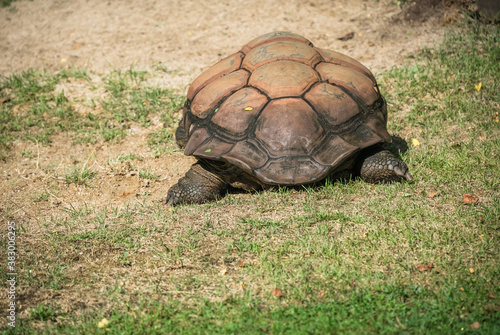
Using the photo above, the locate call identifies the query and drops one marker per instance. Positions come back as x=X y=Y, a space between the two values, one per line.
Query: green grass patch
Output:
x=34 y=107
x=132 y=99
x=162 y=141
x=41 y=196
x=453 y=89
x=80 y=175
x=383 y=309
x=6 y=3
x=127 y=157
x=148 y=175
x=43 y=313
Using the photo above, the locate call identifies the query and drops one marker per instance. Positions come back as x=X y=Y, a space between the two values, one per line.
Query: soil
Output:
x=186 y=37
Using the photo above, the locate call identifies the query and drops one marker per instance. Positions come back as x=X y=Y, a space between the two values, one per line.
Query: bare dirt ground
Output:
x=186 y=37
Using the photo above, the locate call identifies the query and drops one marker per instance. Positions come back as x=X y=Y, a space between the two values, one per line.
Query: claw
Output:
x=172 y=199
x=403 y=172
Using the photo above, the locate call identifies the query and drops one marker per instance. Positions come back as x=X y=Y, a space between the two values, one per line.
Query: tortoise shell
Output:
x=284 y=111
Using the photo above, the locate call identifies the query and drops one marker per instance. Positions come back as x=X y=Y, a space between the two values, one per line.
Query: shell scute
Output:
x=378 y=124
x=332 y=103
x=343 y=60
x=361 y=137
x=288 y=127
x=213 y=148
x=274 y=37
x=291 y=171
x=360 y=85
x=246 y=155
x=239 y=110
x=283 y=78
x=281 y=50
x=209 y=96
x=196 y=138
x=334 y=144
x=224 y=66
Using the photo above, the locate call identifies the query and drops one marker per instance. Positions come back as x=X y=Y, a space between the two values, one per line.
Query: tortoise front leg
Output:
x=198 y=186
x=383 y=166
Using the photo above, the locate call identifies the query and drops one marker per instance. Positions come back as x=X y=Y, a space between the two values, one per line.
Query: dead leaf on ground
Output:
x=432 y=194
x=278 y=293
x=346 y=37
x=240 y=264
x=475 y=325
x=223 y=272
x=425 y=267
x=491 y=296
x=470 y=199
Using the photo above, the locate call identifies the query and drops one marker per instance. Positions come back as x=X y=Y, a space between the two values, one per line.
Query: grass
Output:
x=122 y=158
x=80 y=176
x=43 y=313
x=6 y=3
x=148 y=175
x=41 y=196
x=34 y=107
x=364 y=311
x=350 y=258
x=130 y=100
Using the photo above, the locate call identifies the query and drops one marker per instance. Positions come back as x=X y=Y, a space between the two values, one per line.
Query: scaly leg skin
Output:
x=383 y=166
x=198 y=186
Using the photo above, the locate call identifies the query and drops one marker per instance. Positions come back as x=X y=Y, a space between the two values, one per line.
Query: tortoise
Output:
x=282 y=112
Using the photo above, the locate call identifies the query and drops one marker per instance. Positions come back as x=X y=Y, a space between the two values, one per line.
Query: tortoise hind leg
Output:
x=198 y=186
x=383 y=166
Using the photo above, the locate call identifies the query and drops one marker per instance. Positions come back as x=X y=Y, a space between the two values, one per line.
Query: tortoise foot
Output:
x=383 y=166
x=198 y=186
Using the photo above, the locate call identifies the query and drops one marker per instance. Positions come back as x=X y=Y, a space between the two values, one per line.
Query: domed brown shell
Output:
x=284 y=111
